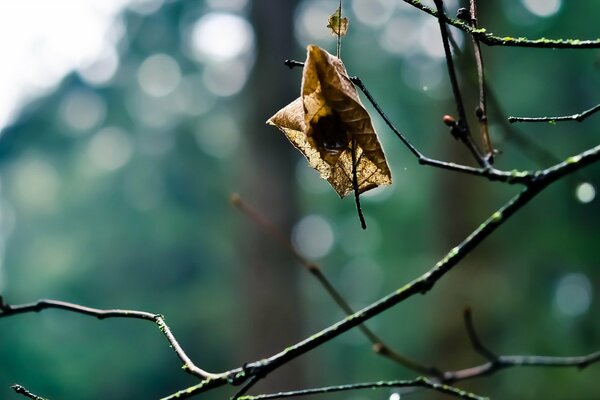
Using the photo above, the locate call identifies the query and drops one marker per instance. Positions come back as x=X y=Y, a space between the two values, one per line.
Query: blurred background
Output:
x=126 y=125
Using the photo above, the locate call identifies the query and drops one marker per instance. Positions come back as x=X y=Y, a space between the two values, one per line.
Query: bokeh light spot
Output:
x=110 y=149
x=399 y=35
x=219 y=136
x=102 y=70
x=36 y=183
x=309 y=26
x=542 y=8
x=373 y=12
x=221 y=36
x=313 y=237
x=573 y=294
x=585 y=192
x=145 y=7
x=82 y=110
x=159 y=75
x=228 y=5
x=226 y=78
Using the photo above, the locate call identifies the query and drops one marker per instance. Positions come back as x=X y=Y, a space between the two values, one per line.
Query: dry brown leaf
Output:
x=324 y=122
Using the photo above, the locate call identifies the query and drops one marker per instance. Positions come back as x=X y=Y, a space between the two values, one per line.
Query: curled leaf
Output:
x=327 y=120
x=337 y=23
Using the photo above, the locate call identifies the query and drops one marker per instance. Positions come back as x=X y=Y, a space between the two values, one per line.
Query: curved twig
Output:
x=7 y=310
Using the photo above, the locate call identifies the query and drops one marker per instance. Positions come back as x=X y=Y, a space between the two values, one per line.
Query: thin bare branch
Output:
x=508 y=361
x=26 y=393
x=460 y=130
x=7 y=310
x=575 y=117
x=418 y=382
x=481 y=111
x=493 y=40
x=315 y=269
x=475 y=342
x=496 y=363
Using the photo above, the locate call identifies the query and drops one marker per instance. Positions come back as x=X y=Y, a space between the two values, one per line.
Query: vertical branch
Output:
x=363 y=223
x=338 y=49
x=461 y=130
x=481 y=111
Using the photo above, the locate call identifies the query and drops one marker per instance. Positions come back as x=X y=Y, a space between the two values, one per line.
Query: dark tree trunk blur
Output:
x=272 y=316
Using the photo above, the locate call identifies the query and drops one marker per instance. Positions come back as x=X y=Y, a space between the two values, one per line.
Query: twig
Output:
x=7 y=310
x=240 y=394
x=477 y=345
x=575 y=117
x=23 y=391
x=496 y=363
x=461 y=129
x=338 y=47
x=418 y=382
x=314 y=269
x=361 y=217
x=481 y=111
x=492 y=40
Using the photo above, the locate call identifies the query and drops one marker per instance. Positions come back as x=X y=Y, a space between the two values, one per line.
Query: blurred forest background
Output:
x=126 y=124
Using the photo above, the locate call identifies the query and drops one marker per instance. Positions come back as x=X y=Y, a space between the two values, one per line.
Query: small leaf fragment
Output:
x=337 y=24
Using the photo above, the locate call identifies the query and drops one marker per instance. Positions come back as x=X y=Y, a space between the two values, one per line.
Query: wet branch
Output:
x=26 y=393
x=575 y=117
x=459 y=129
x=492 y=40
x=496 y=363
x=7 y=310
x=481 y=111
x=421 y=382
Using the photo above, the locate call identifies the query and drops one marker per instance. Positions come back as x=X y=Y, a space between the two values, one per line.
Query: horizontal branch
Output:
x=575 y=117
x=496 y=363
x=7 y=310
x=418 y=382
x=492 y=40
x=508 y=361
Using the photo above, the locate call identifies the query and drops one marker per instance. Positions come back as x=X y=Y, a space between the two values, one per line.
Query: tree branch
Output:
x=481 y=111
x=7 y=310
x=575 y=117
x=26 y=393
x=496 y=363
x=508 y=41
x=418 y=382
x=460 y=130
x=378 y=346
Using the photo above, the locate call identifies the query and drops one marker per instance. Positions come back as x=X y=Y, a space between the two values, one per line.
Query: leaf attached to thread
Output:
x=337 y=24
x=325 y=121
